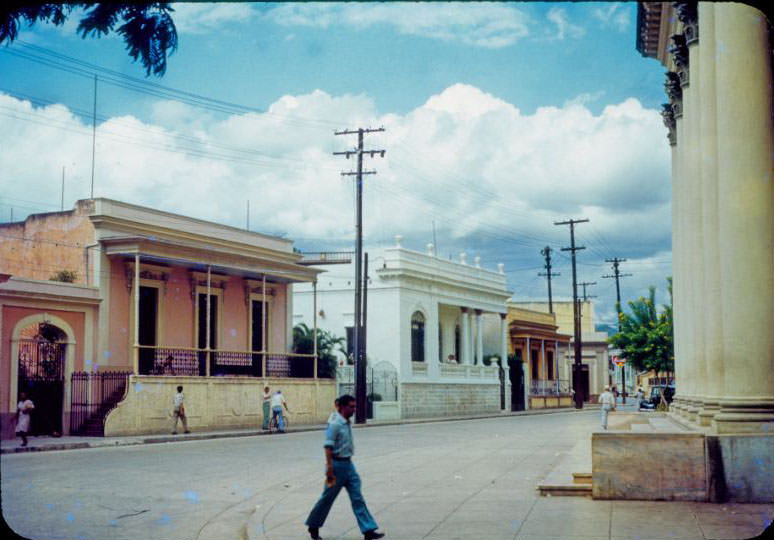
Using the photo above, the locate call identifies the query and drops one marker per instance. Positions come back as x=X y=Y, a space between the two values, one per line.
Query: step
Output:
x=581 y=478
x=565 y=490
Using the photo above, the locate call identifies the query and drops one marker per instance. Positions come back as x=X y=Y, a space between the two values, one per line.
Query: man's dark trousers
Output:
x=346 y=477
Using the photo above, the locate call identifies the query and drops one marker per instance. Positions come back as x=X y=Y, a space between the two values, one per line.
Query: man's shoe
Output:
x=314 y=532
x=372 y=535
x=174 y=433
x=186 y=431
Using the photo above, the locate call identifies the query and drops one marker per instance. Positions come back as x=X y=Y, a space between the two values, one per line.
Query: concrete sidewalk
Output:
x=48 y=443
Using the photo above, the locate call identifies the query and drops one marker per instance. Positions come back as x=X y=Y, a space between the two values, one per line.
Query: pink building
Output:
x=146 y=300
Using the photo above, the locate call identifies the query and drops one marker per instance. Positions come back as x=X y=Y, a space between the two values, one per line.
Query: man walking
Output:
x=178 y=412
x=341 y=473
x=607 y=400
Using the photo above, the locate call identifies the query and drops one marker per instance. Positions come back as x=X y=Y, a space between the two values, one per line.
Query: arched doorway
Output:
x=41 y=374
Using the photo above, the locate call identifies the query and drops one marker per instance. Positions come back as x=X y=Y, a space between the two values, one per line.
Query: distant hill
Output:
x=605 y=327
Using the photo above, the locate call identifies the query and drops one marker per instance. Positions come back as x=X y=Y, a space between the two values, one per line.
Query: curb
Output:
x=134 y=440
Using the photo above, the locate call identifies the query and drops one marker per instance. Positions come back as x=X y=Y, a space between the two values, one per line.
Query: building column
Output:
x=479 y=340
x=746 y=213
x=694 y=226
x=713 y=329
x=465 y=337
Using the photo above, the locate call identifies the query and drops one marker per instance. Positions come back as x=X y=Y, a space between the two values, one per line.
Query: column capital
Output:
x=679 y=51
x=668 y=115
x=463 y=309
x=674 y=92
x=478 y=312
x=503 y=316
x=688 y=13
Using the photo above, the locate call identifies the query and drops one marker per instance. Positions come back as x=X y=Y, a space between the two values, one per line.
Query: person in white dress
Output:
x=23 y=409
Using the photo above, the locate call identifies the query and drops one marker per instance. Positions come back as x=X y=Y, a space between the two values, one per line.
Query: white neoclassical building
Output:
x=427 y=318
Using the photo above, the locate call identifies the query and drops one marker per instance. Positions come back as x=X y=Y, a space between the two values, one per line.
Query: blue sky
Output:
x=501 y=118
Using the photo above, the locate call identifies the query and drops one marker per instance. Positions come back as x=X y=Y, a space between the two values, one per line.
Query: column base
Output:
x=709 y=408
x=691 y=410
x=744 y=416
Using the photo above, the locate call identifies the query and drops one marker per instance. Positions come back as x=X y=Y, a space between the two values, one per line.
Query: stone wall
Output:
x=420 y=400
x=656 y=466
x=215 y=403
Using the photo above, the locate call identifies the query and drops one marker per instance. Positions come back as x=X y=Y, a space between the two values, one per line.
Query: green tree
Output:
x=646 y=336
x=327 y=346
x=147 y=27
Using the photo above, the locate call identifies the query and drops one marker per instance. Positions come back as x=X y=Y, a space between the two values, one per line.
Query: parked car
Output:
x=657 y=393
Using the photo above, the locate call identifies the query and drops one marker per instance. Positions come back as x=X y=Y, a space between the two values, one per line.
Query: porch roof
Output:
x=199 y=257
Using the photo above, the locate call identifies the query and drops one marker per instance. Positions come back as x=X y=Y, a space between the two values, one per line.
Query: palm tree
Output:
x=147 y=28
x=645 y=338
x=327 y=345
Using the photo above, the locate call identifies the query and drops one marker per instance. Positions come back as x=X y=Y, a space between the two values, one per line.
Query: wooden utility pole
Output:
x=576 y=368
x=360 y=361
x=617 y=275
x=546 y=252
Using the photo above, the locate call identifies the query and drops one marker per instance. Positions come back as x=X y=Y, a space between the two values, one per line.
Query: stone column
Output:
x=713 y=330
x=479 y=340
x=746 y=218
x=465 y=335
x=695 y=222
x=672 y=115
x=686 y=185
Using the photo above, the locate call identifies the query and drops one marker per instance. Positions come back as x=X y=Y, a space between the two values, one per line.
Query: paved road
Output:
x=465 y=479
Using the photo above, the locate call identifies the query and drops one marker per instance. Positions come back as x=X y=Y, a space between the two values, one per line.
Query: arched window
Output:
x=417 y=337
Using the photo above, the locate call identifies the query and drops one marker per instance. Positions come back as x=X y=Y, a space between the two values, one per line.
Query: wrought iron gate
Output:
x=93 y=396
x=41 y=377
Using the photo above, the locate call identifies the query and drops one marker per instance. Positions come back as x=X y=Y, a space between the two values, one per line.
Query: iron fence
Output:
x=553 y=387
x=93 y=396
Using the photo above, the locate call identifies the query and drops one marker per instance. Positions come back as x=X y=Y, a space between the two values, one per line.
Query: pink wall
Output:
x=178 y=311
x=118 y=347
x=279 y=320
x=11 y=316
x=234 y=333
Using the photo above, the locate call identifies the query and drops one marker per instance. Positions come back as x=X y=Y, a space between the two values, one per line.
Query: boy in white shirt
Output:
x=179 y=411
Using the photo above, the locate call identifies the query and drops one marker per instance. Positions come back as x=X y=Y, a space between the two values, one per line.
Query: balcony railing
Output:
x=553 y=387
x=186 y=361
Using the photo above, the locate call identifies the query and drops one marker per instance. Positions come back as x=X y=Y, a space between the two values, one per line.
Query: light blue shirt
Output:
x=338 y=436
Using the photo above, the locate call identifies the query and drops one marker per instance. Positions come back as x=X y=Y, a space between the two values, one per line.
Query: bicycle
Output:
x=273 y=427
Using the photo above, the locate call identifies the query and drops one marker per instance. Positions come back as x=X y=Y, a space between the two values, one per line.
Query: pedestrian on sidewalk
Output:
x=277 y=402
x=266 y=407
x=23 y=409
x=607 y=400
x=179 y=411
x=341 y=473
x=639 y=396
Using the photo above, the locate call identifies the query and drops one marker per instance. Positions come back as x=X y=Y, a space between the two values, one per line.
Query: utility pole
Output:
x=360 y=362
x=584 y=284
x=546 y=252
x=617 y=275
x=576 y=368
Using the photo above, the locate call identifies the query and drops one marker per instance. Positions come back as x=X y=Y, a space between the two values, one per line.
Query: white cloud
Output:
x=490 y=25
x=564 y=28
x=584 y=98
x=466 y=160
x=198 y=18
x=613 y=15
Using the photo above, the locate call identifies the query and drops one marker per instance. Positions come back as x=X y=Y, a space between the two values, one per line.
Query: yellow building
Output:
x=538 y=346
